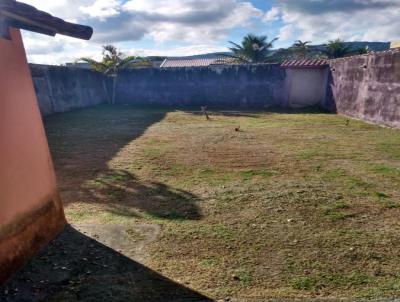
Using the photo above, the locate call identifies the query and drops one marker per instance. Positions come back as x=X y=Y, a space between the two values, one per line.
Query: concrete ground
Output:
x=77 y=267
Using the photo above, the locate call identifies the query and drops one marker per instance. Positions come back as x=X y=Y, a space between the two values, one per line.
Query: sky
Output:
x=187 y=27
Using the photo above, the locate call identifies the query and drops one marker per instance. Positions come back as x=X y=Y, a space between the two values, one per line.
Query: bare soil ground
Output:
x=293 y=205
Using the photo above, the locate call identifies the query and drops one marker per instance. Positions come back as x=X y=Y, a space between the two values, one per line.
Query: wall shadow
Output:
x=74 y=267
x=83 y=141
x=257 y=113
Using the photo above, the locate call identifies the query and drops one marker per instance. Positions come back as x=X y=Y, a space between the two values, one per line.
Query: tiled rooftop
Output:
x=192 y=62
x=307 y=63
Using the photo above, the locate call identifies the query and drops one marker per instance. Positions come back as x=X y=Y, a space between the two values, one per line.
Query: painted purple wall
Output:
x=367 y=87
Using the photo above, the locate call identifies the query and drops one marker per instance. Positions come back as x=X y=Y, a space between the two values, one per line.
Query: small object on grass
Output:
x=237 y=129
x=204 y=110
x=347 y=122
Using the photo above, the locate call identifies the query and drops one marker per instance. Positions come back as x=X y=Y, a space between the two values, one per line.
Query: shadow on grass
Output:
x=74 y=267
x=83 y=142
x=237 y=112
x=126 y=196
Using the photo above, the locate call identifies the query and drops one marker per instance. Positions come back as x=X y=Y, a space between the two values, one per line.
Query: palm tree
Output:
x=253 y=49
x=113 y=62
x=300 y=48
x=362 y=50
x=337 y=49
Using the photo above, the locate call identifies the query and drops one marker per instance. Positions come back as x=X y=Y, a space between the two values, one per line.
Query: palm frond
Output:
x=95 y=65
x=253 y=49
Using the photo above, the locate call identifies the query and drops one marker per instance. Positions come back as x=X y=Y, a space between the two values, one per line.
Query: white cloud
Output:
x=66 y=9
x=177 y=51
x=192 y=22
x=273 y=14
x=183 y=20
x=102 y=9
x=286 y=32
x=55 y=50
x=352 y=20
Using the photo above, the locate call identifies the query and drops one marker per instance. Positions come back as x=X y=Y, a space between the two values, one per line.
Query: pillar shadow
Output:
x=74 y=267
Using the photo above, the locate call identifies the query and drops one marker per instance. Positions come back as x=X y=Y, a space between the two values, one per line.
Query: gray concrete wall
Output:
x=306 y=86
x=61 y=89
x=367 y=87
x=261 y=85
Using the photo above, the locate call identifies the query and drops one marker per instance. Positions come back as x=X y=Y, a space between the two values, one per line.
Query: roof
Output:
x=308 y=63
x=184 y=62
x=20 y=15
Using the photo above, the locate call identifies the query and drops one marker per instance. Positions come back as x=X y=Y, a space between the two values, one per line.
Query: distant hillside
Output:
x=278 y=54
x=373 y=46
x=212 y=55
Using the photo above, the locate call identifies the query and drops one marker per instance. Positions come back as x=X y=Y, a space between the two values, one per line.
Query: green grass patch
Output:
x=249 y=174
x=151 y=152
x=271 y=204
x=308 y=154
x=323 y=281
x=336 y=211
x=244 y=277
x=386 y=170
x=381 y=195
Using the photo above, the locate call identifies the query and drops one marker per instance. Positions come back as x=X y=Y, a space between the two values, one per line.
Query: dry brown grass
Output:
x=293 y=205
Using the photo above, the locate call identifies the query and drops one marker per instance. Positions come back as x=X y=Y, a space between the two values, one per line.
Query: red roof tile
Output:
x=192 y=62
x=308 y=63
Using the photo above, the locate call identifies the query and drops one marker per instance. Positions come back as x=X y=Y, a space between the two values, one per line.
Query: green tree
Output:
x=337 y=49
x=362 y=50
x=113 y=62
x=300 y=49
x=253 y=49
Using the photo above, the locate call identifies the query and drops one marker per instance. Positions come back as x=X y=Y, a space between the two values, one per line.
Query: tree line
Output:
x=258 y=49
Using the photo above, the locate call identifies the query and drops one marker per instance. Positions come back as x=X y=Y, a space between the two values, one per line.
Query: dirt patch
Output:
x=75 y=267
x=130 y=241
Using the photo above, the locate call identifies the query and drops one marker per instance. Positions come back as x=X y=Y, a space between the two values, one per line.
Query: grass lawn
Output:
x=292 y=205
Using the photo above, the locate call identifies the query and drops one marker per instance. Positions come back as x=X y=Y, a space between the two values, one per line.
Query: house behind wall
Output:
x=306 y=82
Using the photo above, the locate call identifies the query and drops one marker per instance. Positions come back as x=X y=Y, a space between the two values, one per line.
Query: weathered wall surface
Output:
x=61 y=89
x=367 y=87
x=31 y=212
x=234 y=86
x=307 y=86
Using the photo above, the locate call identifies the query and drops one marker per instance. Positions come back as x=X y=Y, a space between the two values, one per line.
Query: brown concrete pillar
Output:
x=31 y=212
